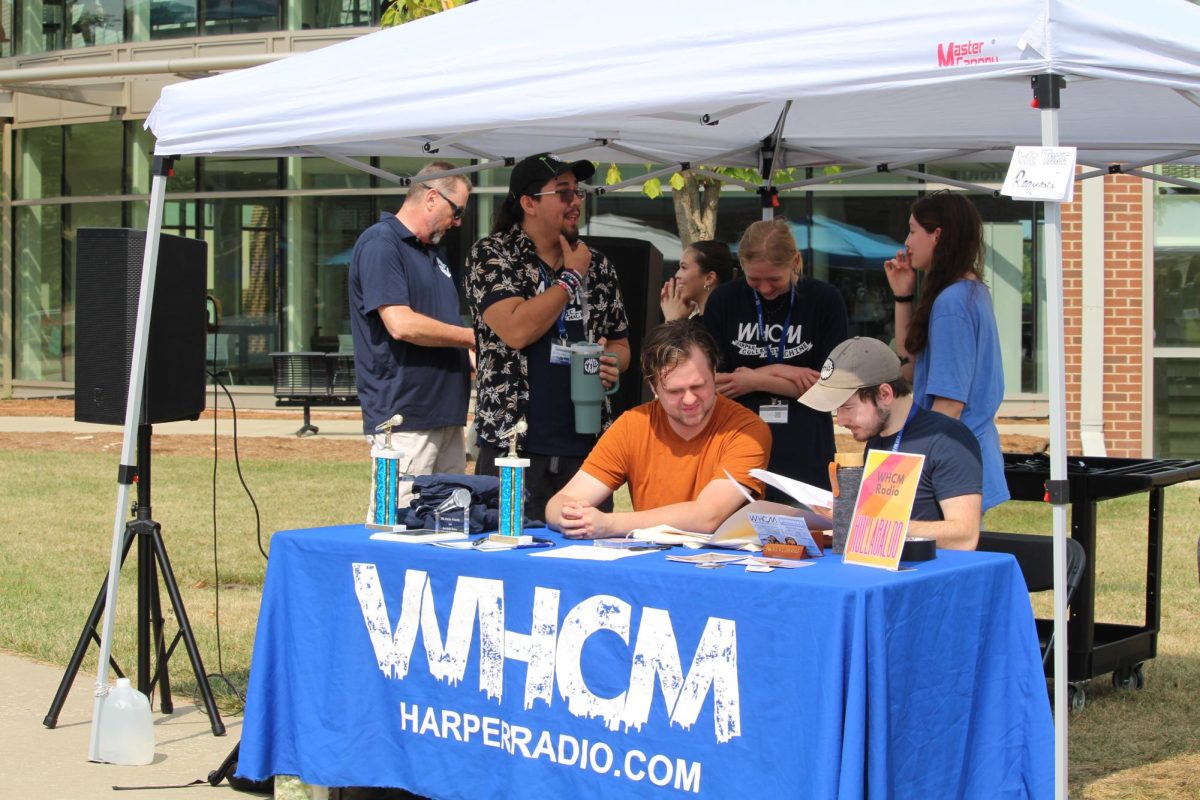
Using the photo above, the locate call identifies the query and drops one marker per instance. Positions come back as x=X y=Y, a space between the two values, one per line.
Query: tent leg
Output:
x=1058 y=436
x=133 y=416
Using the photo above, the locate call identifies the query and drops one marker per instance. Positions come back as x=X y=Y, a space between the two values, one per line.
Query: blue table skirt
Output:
x=478 y=675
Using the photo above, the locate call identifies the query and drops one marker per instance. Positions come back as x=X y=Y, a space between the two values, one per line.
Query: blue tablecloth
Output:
x=476 y=675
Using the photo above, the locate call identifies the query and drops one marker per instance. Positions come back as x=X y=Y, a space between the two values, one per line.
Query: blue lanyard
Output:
x=547 y=279
x=912 y=412
x=777 y=357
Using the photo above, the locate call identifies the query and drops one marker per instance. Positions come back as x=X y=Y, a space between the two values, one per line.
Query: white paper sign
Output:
x=1041 y=173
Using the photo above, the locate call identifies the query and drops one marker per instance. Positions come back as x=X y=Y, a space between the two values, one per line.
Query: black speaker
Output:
x=108 y=274
x=639 y=267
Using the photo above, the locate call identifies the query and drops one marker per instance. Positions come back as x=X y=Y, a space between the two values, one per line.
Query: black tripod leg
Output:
x=162 y=676
x=220 y=773
x=185 y=629
x=85 y=638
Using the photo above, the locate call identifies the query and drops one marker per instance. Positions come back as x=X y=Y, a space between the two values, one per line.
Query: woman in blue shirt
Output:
x=948 y=338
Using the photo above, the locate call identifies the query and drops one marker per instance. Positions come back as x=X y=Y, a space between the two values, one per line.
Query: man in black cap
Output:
x=533 y=289
x=861 y=379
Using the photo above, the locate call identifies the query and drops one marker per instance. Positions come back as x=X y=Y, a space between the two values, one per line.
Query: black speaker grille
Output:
x=108 y=281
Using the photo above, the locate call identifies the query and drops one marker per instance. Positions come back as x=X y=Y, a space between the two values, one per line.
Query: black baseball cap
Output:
x=532 y=173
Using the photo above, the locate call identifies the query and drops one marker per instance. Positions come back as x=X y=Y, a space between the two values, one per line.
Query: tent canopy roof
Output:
x=862 y=81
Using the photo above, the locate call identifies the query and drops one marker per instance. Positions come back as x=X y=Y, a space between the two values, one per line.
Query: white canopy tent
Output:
x=866 y=83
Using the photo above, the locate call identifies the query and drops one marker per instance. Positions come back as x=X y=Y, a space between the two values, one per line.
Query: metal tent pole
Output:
x=1046 y=91
x=133 y=415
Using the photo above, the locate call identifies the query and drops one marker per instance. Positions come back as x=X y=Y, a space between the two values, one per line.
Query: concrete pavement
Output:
x=53 y=764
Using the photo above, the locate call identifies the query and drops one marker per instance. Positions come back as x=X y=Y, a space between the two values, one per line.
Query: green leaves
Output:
x=402 y=11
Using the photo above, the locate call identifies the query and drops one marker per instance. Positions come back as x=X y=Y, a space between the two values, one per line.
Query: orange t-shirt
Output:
x=661 y=468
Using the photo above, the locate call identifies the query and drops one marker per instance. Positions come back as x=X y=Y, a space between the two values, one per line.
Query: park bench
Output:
x=313 y=379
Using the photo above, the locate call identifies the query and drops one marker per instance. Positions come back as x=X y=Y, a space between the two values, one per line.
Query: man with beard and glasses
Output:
x=862 y=380
x=411 y=351
x=534 y=288
x=676 y=452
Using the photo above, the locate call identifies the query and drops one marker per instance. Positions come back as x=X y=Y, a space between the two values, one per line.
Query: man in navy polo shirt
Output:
x=410 y=348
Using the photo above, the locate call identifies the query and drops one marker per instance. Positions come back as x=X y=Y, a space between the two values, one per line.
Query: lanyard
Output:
x=777 y=357
x=912 y=412
x=561 y=323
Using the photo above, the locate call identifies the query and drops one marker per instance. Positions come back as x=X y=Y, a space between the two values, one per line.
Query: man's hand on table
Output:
x=584 y=521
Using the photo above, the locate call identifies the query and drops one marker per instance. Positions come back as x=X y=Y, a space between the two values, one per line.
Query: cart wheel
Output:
x=1129 y=678
x=1076 y=697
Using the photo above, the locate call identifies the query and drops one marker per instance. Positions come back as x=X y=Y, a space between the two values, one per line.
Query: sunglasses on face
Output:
x=456 y=210
x=566 y=195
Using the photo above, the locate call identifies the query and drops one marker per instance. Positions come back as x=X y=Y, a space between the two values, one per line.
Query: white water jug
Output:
x=126 y=728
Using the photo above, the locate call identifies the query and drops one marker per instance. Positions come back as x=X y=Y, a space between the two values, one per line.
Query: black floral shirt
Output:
x=506 y=265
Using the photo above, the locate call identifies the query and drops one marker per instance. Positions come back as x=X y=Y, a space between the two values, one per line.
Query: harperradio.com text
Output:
x=562 y=749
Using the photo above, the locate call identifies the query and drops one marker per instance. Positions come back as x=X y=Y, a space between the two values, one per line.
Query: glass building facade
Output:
x=280 y=233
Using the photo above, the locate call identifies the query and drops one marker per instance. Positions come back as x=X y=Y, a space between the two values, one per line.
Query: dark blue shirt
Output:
x=428 y=385
x=816 y=323
x=952 y=465
x=552 y=414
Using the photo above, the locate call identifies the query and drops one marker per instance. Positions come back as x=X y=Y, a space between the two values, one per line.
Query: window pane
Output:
x=1177 y=408
x=171 y=19
x=334 y=13
x=45 y=25
x=38 y=294
x=240 y=16
x=244 y=248
x=38 y=163
x=1177 y=269
x=238 y=174
x=318 y=311
x=94 y=158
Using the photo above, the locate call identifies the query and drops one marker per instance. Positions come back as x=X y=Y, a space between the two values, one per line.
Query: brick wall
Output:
x=1124 y=312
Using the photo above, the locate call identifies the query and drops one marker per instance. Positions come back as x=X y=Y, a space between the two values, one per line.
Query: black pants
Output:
x=544 y=476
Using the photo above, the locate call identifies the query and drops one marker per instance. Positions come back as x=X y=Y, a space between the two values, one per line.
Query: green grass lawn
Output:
x=57 y=514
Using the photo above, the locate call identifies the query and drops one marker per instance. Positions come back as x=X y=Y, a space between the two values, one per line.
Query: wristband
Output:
x=572 y=282
x=906 y=298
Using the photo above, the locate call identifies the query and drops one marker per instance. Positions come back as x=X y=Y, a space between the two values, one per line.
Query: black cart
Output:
x=1096 y=648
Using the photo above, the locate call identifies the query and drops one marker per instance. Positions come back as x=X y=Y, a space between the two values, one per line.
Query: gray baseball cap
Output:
x=854 y=364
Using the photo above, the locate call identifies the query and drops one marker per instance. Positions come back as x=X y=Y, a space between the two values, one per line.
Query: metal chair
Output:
x=1035 y=557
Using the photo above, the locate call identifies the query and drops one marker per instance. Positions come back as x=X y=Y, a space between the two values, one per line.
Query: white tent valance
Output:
x=672 y=81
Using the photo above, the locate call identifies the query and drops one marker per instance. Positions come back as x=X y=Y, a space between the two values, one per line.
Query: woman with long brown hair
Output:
x=948 y=338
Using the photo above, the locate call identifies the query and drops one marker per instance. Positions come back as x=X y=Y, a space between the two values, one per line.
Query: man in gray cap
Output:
x=533 y=289
x=862 y=381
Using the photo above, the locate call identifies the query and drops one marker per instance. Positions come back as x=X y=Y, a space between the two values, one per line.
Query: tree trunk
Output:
x=696 y=208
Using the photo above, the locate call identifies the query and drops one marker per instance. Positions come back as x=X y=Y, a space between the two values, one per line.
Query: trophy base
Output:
x=516 y=541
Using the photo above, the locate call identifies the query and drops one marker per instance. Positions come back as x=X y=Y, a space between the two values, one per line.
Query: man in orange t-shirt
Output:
x=673 y=451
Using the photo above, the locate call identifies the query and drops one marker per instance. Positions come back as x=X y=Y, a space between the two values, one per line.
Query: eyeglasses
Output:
x=457 y=211
x=566 y=195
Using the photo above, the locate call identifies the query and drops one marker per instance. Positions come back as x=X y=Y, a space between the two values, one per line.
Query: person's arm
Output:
x=581 y=520
x=406 y=325
x=951 y=408
x=778 y=379
x=571 y=503
x=520 y=321
x=903 y=281
x=609 y=372
x=960 y=528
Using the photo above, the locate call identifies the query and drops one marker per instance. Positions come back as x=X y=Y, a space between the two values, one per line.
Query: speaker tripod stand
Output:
x=151 y=561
